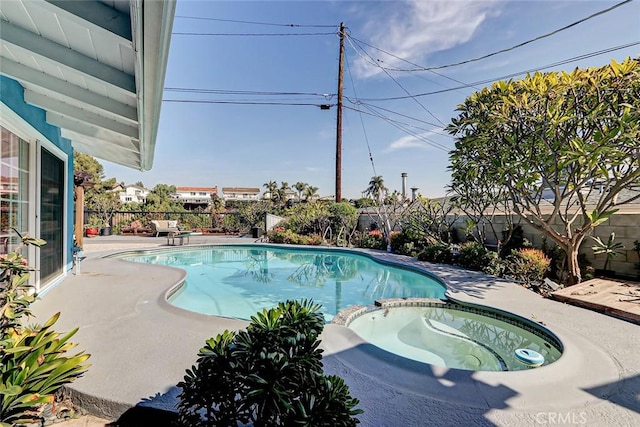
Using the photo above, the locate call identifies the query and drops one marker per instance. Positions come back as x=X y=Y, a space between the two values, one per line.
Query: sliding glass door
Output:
x=51 y=216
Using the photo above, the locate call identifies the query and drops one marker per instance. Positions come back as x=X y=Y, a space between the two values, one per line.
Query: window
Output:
x=14 y=189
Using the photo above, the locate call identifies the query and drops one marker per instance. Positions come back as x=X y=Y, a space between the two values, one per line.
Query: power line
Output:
x=407 y=92
x=372 y=106
x=402 y=127
x=247 y=92
x=202 y=18
x=519 y=45
x=517 y=73
x=420 y=68
x=194 y=101
x=251 y=34
x=364 y=130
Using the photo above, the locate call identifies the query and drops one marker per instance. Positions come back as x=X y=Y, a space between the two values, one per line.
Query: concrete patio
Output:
x=141 y=346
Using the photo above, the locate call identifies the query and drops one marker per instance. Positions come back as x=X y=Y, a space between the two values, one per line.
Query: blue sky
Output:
x=241 y=145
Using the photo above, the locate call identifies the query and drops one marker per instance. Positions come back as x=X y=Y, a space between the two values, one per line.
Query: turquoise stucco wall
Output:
x=12 y=95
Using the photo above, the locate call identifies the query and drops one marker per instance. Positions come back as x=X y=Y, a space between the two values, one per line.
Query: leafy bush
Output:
x=528 y=265
x=33 y=365
x=267 y=375
x=195 y=221
x=407 y=242
x=343 y=221
x=251 y=214
x=333 y=221
x=283 y=235
x=307 y=218
x=440 y=253
x=473 y=255
x=493 y=264
x=372 y=240
x=231 y=223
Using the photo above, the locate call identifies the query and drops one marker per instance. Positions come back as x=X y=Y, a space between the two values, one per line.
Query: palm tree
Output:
x=300 y=187
x=376 y=188
x=272 y=188
x=310 y=192
x=282 y=192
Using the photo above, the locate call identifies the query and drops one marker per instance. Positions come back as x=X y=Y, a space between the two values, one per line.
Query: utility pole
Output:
x=339 y=118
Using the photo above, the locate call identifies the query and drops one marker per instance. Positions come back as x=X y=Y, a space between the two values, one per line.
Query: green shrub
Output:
x=403 y=244
x=334 y=221
x=33 y=364
x=372 y=240
x=307 y=218
x=343 y=217
x=409 y=241
x=473 y=255
x=231 y=223
x=267 y=375
x=440 y=253
x=528 y=265
x=280 y=235
x=493 y=264
x=283 y=235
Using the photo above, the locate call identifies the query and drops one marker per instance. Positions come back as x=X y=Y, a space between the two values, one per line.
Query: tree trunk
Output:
x=572 y=251
x=573 y=267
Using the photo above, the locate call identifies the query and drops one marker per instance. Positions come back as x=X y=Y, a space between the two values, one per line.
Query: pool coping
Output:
x=119 y=325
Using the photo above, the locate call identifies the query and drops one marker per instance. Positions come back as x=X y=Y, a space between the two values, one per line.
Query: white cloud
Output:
x=408 y=141
x=416 y=28
x=414 y=141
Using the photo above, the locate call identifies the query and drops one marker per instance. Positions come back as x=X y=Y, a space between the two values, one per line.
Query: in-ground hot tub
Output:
x=457 y=336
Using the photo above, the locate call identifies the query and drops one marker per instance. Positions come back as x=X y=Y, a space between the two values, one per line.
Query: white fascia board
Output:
x=153 y=24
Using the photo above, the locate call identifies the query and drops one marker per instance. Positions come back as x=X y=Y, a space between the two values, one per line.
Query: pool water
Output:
x=453 y=338
x=239 y=281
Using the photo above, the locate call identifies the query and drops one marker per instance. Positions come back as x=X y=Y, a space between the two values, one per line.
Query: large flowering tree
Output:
x=561 y=146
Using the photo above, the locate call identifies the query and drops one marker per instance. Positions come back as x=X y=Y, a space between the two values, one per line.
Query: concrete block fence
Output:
x=626 y=227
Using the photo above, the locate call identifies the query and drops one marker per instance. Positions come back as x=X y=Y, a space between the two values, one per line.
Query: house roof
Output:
x=96 y=67
x=198 y=189
x=240 y=190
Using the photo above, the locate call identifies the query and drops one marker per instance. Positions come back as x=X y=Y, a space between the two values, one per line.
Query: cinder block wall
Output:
x=626 y=227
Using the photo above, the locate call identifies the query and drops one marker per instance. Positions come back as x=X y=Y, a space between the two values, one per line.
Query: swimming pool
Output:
x=238 y=281
x=457 y=336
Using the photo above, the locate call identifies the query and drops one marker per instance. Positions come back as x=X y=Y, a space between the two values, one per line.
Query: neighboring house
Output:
x=131 y=193
x=194 y=197
x=240 y=193
x=289 y=195
x=74 y=75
